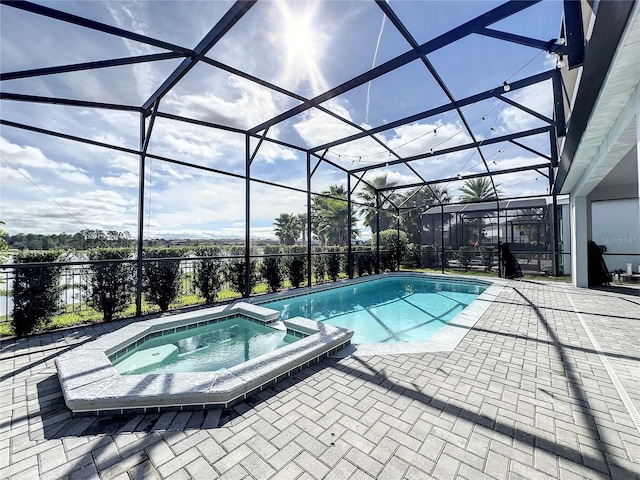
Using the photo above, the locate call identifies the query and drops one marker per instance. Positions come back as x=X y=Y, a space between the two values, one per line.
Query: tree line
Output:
x=82 y=240
x=330 y=211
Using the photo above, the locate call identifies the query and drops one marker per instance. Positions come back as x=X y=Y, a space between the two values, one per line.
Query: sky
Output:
x=54 y=185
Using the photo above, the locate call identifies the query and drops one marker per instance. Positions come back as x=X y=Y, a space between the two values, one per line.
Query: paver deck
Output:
x=546 y=385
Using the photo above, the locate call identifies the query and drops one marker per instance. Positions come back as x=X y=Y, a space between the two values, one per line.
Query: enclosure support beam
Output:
x=442 y=259
x=533 y=113
x=549 y=46
x=377 y=231
x=140 y=222
x=255 y=152
x=474 y=175
x=461 y=31
x=20 y=97
x=145 y=137
x=574 y=32
x=459 y=148
x=558 y=101
x=533 y=150
x=555 y=228
x=494 y=92
x=309 y=258
x=398 y=250
x=233 y=15
x=73 y=138
x=247 y=218
x=92 y=24
x=499 y=241
x=553 y=142
x=78 y=67
x=349 y=231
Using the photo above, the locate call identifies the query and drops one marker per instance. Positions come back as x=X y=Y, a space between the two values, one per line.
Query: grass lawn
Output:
x=89 y=315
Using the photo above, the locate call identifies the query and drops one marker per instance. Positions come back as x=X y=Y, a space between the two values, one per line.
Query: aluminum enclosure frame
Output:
x=151 y=109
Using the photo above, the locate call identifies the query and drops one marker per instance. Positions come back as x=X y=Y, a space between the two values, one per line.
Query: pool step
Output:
x=145 y=359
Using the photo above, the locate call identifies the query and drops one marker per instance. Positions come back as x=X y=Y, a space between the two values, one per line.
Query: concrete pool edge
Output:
x=91 y=384
x=445 y=340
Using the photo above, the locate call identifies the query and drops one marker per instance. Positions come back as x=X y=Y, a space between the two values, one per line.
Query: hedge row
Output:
x=111 y=277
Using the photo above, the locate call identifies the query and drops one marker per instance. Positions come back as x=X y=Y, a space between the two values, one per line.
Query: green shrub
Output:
x=36 y=292
x=391 y=251
x=364 y=262
x=445 y=255
x=411 y=257
x=271 y=271
x=236 y=276
x=465 y=254
x=111 y=285
x=319 y=267
x=208 y=272
x=333 y=263
x=161 y=276
x=428 y=256
x=344 y=260
x=296 y=270
x=487 y=257
x=236 y=271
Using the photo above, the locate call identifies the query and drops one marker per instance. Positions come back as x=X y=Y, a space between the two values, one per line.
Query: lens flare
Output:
x=304 y=47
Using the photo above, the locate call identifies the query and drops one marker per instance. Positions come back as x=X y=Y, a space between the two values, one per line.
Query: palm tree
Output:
x=330 y=216
x=302 y=219
x=415 y=202
x=476 y=189
x=287 y=228
x=368 y=196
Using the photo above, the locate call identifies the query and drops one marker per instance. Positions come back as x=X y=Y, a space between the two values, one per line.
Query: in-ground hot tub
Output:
x=92 y=385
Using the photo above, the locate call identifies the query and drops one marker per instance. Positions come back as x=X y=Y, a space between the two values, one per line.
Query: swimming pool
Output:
x=394 y=308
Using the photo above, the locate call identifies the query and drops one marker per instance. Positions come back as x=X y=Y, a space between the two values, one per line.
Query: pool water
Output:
x=203 y=349
x=399 y=309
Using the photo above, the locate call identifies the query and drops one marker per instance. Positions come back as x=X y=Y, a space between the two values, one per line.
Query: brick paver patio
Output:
x=545 y=386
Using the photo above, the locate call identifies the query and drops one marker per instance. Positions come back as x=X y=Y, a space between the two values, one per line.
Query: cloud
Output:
x=124 y=162
x=417 y=138
x=241 y=104
x=187 y=142
x=118 y=128
x=102 y=209
x=270 y=152
x=168 y=170
x=123 y=180
x=33 y=160
x=214 y=205
x=11 y=173
x=132 y=16
x=209 y=146
x=538 y=97
x=317 y=127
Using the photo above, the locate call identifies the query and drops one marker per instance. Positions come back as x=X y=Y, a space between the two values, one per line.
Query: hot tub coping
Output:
x=91 y=384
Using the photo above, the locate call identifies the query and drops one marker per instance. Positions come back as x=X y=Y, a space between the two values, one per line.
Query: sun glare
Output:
x=297 y=36
x=302 y=44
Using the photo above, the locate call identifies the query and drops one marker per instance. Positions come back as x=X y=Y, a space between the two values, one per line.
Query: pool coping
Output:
x=91 y=384
x=444 y=340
